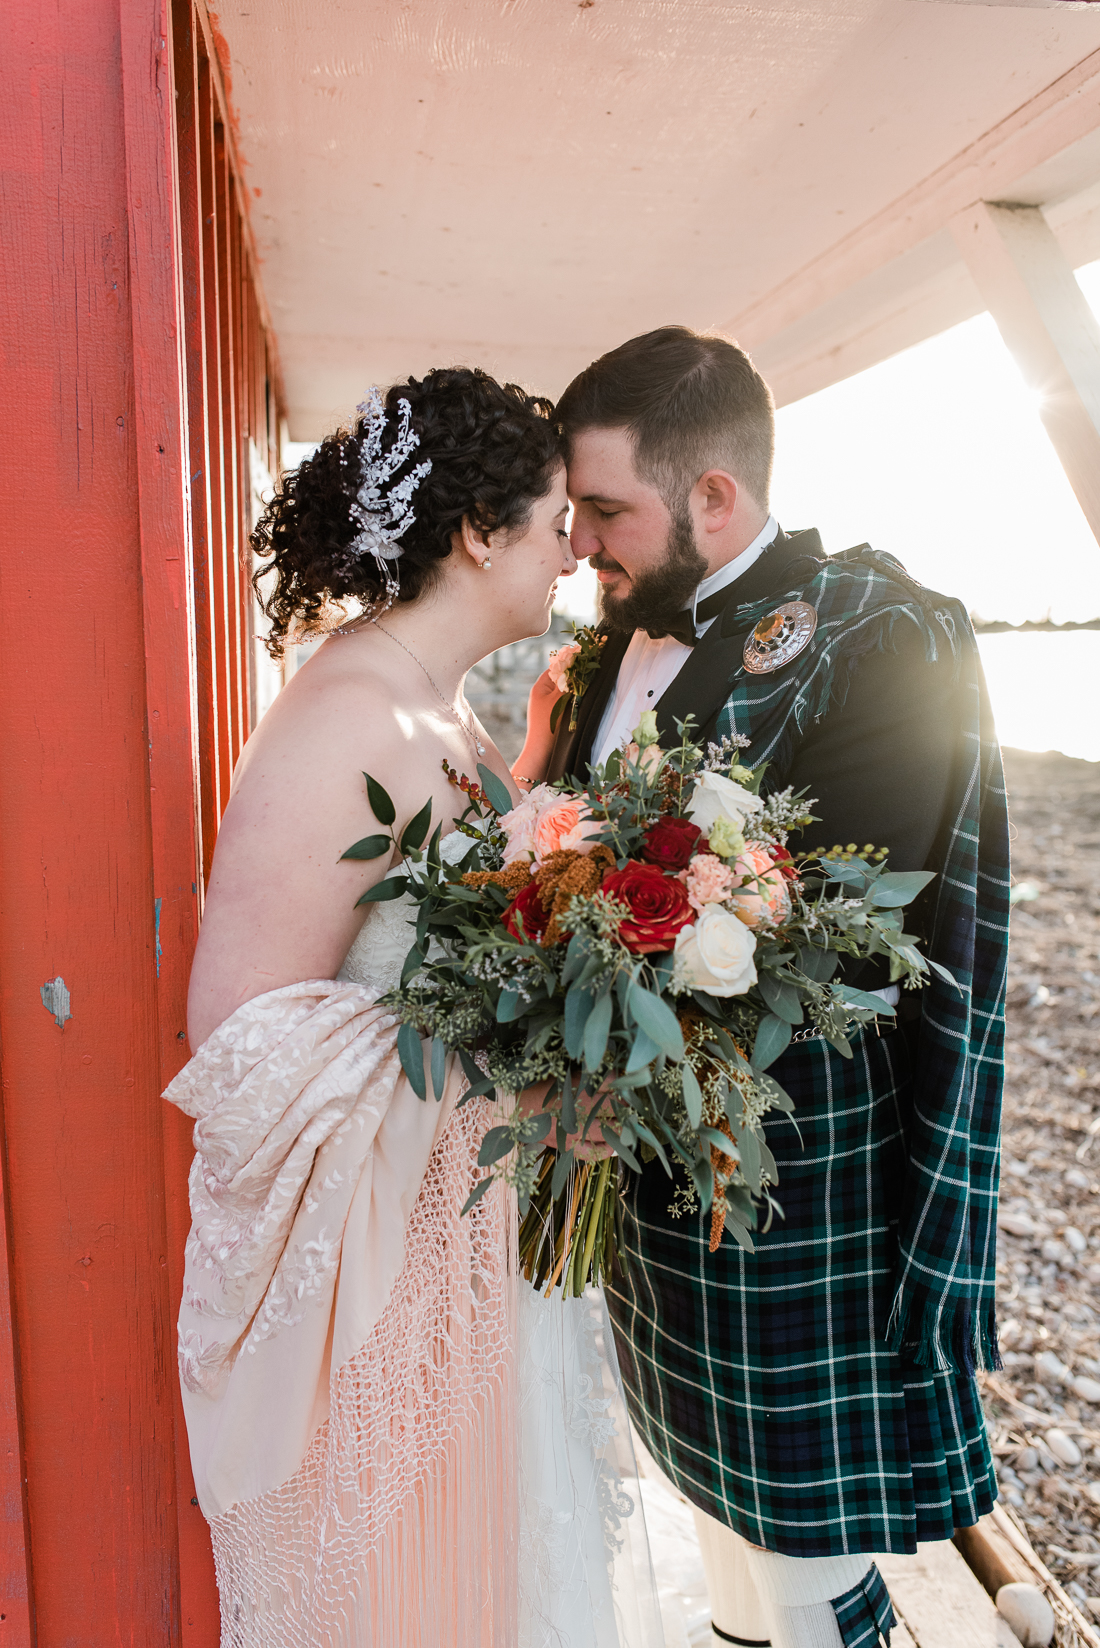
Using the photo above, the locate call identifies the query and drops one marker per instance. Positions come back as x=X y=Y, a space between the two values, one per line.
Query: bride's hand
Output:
x=535 y=755
x=590 y=1147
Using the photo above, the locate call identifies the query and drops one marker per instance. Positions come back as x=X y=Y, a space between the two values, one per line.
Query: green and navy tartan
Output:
x=762 y=1384
x=942 y=1313
x=818 y=1396
x=864 y=1614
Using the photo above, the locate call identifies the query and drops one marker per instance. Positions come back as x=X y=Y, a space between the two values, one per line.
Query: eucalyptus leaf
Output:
x=782 y=998
x=568 y=1106
x=819 y=965
x=645 y=1049
x=658 y=1021
x=773 y=1036
x=439 y=1067
x=561 y=1173
x=596 y=1032
x=863 y=998
x=703 y=1174
x=899 y=887
x=750 y=1158
x=739 y=1234
x=413 y=963
x=380 y=804
x=693 y=1094
x=575 y=957
x=475 y=1195
x=621 y=1149
x=496 y=792
x=509 y=1007
x=411 y=1053
x=496 y=1143
x=578 y=1005
x=371 y=846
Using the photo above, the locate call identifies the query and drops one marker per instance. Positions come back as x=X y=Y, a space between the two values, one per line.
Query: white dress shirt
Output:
x=649 y=667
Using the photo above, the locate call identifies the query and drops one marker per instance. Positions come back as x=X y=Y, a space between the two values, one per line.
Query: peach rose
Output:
x=707 y=880
x=519 y=824
x=765 y=896
x=647 y=759
x=563 y=824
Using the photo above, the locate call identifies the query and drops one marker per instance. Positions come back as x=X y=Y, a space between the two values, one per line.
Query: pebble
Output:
x=1017 y=1224
x=1074 y=1239
x=1051 y=1367
x=1073 y=1176
x=1092 y=1489
x=1027 y=1610
x=1063 y=1447
x=1027 y=1459
x=1087 y=1389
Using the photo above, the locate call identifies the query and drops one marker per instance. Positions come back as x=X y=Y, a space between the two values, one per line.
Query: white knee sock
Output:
x=797 y=1595
x=735 y=1606
x=760 y=1596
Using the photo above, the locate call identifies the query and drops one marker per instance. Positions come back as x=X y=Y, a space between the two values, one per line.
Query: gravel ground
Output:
x=1044 y=1406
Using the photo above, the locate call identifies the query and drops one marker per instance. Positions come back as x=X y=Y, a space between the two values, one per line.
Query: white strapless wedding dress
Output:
x=586 y=1577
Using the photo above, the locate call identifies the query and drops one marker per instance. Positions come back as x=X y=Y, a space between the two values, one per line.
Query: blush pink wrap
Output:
x=345 y=1337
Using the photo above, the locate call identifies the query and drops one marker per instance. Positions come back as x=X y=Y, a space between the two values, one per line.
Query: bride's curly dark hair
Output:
x=494 y=452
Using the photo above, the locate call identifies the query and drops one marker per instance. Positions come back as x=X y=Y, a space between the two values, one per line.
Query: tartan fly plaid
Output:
x=942 y=1313
x=762 y=1384
x=864 y=1614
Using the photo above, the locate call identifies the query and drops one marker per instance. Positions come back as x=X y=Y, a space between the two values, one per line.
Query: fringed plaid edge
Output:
x=864 y=1613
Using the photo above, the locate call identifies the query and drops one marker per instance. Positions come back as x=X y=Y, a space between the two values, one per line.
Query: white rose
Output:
x=717 y=797
x=715 y=954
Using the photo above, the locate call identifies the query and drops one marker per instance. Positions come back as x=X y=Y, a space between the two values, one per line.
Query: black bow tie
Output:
x=682 y=629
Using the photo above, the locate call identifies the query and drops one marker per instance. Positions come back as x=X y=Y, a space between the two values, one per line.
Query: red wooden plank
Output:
x=16 y=1591
x=162 y=431
x=81 y=1114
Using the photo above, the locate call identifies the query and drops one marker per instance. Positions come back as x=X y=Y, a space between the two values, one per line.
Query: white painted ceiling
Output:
x=525 y=183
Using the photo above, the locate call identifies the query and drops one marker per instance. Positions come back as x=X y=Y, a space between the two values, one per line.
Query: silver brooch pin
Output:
x=780 y=636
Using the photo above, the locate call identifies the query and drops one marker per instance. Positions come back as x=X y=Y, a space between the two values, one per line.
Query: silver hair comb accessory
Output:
x=384 y=515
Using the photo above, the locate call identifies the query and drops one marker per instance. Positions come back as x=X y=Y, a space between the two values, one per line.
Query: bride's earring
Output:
x=486 y=563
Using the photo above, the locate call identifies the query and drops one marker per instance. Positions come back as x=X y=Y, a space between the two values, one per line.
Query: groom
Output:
x=815 y=1401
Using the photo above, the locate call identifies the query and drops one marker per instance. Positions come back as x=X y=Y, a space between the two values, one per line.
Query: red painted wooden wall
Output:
x=137 y=370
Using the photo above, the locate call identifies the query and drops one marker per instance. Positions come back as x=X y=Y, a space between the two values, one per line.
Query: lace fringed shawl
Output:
x=346 y=1338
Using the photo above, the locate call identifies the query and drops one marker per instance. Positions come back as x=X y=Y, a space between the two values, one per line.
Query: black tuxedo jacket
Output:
x=877 y=763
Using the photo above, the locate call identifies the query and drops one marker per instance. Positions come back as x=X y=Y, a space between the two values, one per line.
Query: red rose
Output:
x=658 y=906
x=786 y=864
x=527 y=904
x=671 y=842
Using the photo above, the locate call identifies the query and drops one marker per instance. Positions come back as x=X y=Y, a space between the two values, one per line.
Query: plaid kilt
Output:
x=762 y=1384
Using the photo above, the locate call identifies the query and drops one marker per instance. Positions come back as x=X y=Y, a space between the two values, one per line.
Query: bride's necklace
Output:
x=467 y=727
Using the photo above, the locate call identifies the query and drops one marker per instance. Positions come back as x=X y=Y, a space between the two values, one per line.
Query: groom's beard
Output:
x=656 y=596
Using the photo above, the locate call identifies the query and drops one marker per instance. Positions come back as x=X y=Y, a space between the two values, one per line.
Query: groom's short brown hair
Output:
x=691 y=401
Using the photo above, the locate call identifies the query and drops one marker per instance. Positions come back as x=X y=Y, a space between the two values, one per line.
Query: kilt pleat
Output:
x=762 y=1384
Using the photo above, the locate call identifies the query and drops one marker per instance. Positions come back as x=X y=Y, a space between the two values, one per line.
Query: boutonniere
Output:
x=572 y=668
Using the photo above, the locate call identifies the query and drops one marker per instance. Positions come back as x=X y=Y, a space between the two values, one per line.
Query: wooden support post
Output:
x=1041 y=313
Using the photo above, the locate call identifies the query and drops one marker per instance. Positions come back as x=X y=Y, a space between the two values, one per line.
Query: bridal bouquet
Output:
x=632 y=956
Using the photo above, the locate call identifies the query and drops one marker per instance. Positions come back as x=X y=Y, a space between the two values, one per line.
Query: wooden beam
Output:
x=1042 y=315
x=1047 y=125
x=941 y=1603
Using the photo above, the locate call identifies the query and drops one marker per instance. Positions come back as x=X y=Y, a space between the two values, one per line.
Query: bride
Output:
x=395 y=1443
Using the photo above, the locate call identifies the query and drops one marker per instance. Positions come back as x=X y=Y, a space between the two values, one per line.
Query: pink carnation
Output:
x=707 y=880
x=559 y=664
x=765 y=895
x=545 y=821
x=519 y=824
